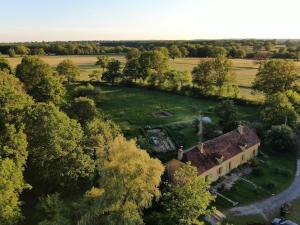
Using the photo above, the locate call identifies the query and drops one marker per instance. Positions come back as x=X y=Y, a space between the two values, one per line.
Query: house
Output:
x=217 y=157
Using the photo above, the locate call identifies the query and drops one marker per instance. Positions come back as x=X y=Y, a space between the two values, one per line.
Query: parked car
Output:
x=278 y=221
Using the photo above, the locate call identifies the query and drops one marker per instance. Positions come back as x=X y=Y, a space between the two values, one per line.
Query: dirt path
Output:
x=270 y=205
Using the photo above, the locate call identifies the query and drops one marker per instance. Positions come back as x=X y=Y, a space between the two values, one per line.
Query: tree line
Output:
x=251 y=49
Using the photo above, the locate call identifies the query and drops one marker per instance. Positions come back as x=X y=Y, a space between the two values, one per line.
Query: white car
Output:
x=277 y=221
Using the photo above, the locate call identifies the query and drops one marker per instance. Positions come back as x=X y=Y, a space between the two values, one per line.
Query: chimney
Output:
x=180 y=153
x=201 y=149
x=240 y=129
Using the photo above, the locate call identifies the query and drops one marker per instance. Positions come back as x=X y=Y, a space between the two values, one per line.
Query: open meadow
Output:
x=132 y=109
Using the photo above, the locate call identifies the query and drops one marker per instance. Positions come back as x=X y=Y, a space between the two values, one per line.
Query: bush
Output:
x=270 y=185
x=258 y=172
x=85 y=90
x=255 y=163
x=286 y=173
x=235 y=188
x=282 y=172
x=276 y=171
x=280 y=138
x=83 y=109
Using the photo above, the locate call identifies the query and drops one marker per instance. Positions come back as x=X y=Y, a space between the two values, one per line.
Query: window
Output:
x=230 y=166
x=254 y=152
x=243 y=158
x=206 y=178
x=220 y=171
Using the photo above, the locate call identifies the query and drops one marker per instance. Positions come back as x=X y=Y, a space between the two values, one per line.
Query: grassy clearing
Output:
x=131 y=108
x=245 y=220
x=295 y=212
x=245 y=193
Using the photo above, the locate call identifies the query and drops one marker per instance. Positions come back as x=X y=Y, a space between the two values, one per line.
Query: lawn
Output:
x=245 y=220
x=278 y=169
x=131 y=108
x=295 y=211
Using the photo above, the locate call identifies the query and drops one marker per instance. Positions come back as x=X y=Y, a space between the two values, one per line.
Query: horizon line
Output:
x=147 y=40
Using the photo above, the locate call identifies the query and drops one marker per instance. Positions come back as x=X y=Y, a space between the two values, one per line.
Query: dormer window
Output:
x=243 y=146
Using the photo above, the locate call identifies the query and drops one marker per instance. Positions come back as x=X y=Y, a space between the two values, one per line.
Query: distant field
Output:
x=244 y=69
x=85 y=63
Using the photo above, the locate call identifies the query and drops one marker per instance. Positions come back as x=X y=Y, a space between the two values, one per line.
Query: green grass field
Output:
x=295 y=211
x=131 y=108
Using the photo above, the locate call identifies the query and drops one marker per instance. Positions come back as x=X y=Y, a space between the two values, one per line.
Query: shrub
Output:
x=83 y=109
x=235 y=188
x=285 y=173
x=85 y=90
x=259 y=172
x=276 y=171
x=270 y=185
x=282 y=172
x=255 y=163
x=280 y=138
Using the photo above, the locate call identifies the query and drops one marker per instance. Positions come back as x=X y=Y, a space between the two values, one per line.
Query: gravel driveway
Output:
x=272 y=204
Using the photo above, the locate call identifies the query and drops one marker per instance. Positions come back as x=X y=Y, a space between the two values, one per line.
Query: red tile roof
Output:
x=223 y=148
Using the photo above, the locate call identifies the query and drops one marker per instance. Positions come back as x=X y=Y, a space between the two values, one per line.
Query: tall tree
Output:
x=68 y=70
x=56 y=157
x=183 y=51
x=177 y=79
x=174 y=52
x=13 y=144
x=275 y=76
x=132 y=70
x=203 y=75
x=39 y=80
x=38 y=51
x=53 y=211
x=13 y=99
x=4 y=65
x=153 y=62
x=12 y=184
x=278 y=110
x=22 y=50
x=99 y=135
x=113 y=71
x=188 y=197
x=280 y=138
x=32 y=70
x=133 y=53
x=222 y=70
x=130 y=179
x=102 y=61
x=11 y=52
x=215 y=74
x=227 y=115
x=83 y=109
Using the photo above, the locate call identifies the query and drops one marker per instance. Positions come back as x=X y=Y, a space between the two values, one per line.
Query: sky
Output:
x=53 y=20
